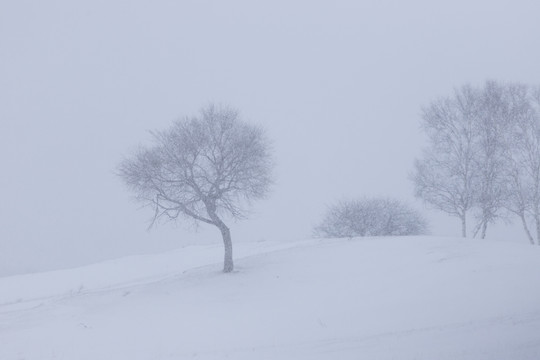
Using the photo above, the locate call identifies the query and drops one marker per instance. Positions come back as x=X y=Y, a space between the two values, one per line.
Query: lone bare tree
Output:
x=203 y=168
x=371 y=217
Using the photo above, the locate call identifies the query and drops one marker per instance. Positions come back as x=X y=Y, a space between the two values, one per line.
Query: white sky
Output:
x=337 y=84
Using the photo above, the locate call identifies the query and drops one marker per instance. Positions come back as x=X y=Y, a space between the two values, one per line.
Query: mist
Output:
x=338 y=87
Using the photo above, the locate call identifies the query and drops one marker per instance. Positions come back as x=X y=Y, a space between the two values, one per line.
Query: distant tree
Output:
x=445 y=176
x=481 y=157
x=492 y=126
x=202 y=168
x=371 y=217
x=523 y=165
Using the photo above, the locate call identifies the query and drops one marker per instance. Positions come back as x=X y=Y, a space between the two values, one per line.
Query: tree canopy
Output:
x=204 y=168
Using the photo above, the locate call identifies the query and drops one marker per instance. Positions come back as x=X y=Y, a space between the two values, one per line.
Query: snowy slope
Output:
x=378 y=298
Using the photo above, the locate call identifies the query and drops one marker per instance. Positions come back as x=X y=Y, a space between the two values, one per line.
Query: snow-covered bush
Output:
x=371 y=217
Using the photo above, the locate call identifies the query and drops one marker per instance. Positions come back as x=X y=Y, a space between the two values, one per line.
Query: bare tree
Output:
x=482 y=156
x=371 y=217
x=523 y=170
x=445 y=176
x=495 y=118
x=202 y=168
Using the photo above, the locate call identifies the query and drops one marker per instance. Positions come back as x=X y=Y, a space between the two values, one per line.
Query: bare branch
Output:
x=202 y=167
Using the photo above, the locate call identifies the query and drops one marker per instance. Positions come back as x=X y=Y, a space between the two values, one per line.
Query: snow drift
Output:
x=371 y=298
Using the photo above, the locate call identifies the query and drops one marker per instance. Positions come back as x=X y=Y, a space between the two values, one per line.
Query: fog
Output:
x=338 y=86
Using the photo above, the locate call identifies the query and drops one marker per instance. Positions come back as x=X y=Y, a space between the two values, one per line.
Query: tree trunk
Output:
x=484 y=230
x=477 y=229
x=537 y=220
x=228 y=264
x=464 y=225
x=526 y=228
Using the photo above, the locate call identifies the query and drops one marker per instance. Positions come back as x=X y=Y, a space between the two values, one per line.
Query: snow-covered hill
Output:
x=376 y=298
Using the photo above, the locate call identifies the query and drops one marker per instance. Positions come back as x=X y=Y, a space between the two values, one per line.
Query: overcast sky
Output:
x=337 y=84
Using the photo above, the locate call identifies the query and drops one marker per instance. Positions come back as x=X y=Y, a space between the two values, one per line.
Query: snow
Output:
x=372 y=298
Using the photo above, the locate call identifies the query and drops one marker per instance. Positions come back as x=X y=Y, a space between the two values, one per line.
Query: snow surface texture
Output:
x=375 y=298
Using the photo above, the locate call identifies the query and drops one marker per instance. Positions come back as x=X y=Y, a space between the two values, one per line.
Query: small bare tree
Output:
x=202 y=168
x=371 y=217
